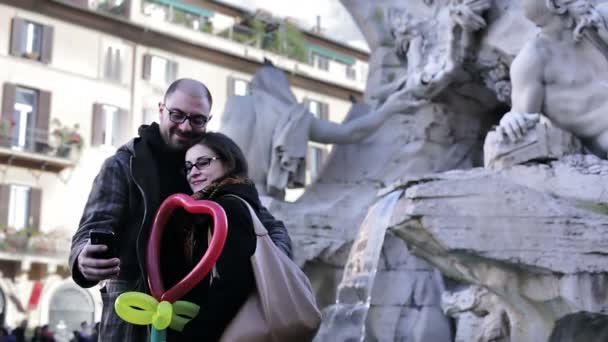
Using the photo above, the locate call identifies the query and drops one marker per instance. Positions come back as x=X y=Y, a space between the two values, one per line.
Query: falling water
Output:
x=345 y=320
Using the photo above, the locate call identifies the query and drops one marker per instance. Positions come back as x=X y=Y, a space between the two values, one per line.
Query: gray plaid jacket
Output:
x=125 y=198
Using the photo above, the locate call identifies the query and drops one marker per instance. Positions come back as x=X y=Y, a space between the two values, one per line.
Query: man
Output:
x=128 y=191
x=561 y=74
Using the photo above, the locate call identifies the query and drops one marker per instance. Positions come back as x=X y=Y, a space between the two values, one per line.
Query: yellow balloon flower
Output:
x=142 y=309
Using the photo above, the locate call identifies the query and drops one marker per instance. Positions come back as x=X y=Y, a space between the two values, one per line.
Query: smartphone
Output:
x=104 y=237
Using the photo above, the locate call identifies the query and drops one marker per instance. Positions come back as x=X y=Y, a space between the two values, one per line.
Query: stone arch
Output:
x=68 y=306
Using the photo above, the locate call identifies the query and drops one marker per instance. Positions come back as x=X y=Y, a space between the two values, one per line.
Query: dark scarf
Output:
x=170 y=163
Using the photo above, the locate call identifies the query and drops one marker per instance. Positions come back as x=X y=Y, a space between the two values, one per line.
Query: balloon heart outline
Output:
x=204 y=266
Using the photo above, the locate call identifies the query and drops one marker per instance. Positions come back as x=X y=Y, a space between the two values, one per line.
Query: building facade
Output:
x=79 y=77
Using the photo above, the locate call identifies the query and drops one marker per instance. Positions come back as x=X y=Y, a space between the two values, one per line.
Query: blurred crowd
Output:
x=21 y=333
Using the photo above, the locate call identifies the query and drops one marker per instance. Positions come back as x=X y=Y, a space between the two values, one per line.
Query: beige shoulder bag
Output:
x=282 y=307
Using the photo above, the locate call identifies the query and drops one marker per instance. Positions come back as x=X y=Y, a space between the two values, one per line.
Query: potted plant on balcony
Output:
x=67 y=138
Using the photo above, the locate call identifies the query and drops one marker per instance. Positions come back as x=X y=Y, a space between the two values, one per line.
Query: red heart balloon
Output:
x=204 y=266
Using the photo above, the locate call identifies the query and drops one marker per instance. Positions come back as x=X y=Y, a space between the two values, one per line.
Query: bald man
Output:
x=126 y=194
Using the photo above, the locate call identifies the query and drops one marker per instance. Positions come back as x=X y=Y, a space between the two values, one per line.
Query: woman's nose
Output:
x=194 y=172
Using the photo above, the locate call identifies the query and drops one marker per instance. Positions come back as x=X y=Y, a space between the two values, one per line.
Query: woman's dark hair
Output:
x=228 y=152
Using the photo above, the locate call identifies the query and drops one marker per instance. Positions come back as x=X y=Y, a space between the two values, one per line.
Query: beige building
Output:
x=102 y=66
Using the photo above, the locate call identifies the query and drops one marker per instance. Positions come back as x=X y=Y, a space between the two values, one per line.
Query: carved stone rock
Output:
x=544 y=142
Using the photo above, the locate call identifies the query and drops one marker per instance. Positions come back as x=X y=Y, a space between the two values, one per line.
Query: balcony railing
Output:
x=20 y=242
x=34 y=148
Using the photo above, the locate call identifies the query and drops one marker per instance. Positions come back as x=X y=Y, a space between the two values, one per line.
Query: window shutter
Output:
x=107 y=65
x=306 y=103
x=5 y=194
x=324 y=111
x=231 y=85
x=171 y=72
x=47 y=44
x=34 y=208
x=117 y=75
x=120 y=124
x=43 y=115
x=8 y=109
x=18 y=39
x=99 y=125
x=8 y=101
x=147 y=71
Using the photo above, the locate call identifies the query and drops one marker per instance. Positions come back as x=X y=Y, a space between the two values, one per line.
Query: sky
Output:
x=335 y=20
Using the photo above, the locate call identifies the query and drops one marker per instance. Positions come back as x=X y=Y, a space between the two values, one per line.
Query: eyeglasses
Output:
x=178 y=117
x=200 y=163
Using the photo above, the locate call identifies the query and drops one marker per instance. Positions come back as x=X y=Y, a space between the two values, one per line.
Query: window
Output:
x=351 y=73
x=320 y=62
x=158 y=70
x=28 y=111
x=108 y=124
x=316 y=157
x=112 y=64
x=317 y=108
x=23 y=117
x=238 y=87
x=19 y=206
x=31 y=40
x=317 y=153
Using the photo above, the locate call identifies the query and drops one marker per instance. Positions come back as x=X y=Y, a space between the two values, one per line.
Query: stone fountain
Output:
x=466 y=197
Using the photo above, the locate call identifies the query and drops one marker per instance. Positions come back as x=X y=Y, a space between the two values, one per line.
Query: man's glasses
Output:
x=200 y=163
x=178 y=117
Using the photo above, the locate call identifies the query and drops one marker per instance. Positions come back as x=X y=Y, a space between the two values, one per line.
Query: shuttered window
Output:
x=20 y=206
x=317 y=153
x=28 y=111
x=159 y=70
x=238 y=87
x=31 y=40
x=113 y=65
x=109 y=123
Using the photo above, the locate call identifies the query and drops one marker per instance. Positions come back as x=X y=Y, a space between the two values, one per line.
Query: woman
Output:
x=215 y=169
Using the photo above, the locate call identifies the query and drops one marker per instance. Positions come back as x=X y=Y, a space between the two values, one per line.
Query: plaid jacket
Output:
x=125 y=198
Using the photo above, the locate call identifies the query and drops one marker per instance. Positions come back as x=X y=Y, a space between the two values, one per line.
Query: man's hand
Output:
x=514 y=125
x=93 y=268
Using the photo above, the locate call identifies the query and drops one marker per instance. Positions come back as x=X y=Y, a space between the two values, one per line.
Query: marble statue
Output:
x=562 y=73
x=472 y=253
x=273 y=129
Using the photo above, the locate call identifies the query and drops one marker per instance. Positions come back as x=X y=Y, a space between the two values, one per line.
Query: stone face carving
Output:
x=562 y=73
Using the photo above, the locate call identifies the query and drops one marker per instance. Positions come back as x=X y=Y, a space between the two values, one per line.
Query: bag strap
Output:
x=258 y=226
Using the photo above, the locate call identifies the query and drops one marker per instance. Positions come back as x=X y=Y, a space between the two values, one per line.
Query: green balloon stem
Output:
x=158 y=335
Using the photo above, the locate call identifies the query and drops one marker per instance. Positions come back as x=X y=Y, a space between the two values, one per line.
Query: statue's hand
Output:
x=467 y=14
x=514 y=125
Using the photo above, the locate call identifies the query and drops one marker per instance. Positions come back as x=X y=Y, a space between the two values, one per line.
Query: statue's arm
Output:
x=527 y=77
x=353 y=131
x=527 y=94
x=327 y=132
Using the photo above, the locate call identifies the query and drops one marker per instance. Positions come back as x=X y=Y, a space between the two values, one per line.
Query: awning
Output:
x=203 y=12
x=331 y=54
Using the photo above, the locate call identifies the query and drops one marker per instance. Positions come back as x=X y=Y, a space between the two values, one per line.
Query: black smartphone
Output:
x=104 y=237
